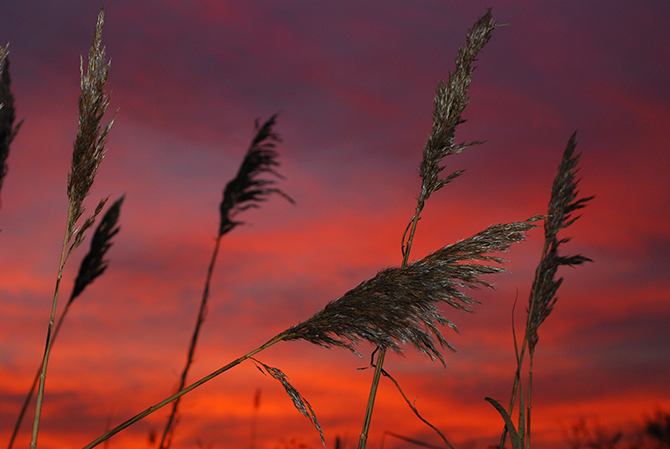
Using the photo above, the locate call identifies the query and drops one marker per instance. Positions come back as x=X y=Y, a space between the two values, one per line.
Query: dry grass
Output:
x=451 y=98
x=399 y=306
x=89 y=149
x=562 y=204
x=7 y=113
x=243 y=192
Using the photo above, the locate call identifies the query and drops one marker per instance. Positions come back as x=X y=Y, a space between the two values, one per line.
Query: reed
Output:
x=451 y=98
x=563 y=203
x=92 y=266
x=7 y=114
x=244 y=191
x=345 y=322
x=89 y=149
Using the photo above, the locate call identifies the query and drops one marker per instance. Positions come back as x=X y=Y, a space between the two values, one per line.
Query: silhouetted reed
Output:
x=451 y=98
x=390 y=291
x=92 y=266
x=562 y=204
x=401 y=304
x=89 y=149
x=243 y=192
x=7 y=114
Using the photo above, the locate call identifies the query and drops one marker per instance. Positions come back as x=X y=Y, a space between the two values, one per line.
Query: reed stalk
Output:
x=450 y=101
x=244 y=191
x=179 y=394
x=92 y=266
x=563 y=202
x=89 y=150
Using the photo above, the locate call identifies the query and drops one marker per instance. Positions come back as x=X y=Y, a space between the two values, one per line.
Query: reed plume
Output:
x=562 y=204
x=247 y=189
x=89 y=149
x=89 y=146
x=451 y=98
x=92 y=266
x=543 y=297
x=94 y=263
x=243 y=192
x=7 y=114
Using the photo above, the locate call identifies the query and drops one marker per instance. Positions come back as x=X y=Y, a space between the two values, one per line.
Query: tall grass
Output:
x=398 y=306
x=451 y=99
x=89 y=150
x=243 y=192
x=562 y=203
x=92 y=266
x=7 y=114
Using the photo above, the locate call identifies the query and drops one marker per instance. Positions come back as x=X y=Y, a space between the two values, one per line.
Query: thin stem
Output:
x=47 y=348
x=181 y=392
x=34 y=384
x=382 y=351
x=169 y=427
x=530 y=391
x=416 y=412
x=410 y=239
x=371 y=399
x=520 y=357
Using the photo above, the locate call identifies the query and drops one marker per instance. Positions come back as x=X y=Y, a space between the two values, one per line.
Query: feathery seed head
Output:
x=94 y=264
x=400 y=304
x=299 y=401
x=562 y=204
x=7 y=113
x=246 y=188
x=451 y=98
x=89 y=145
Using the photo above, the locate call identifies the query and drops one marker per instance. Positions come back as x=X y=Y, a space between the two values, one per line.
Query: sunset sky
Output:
x=354 y=84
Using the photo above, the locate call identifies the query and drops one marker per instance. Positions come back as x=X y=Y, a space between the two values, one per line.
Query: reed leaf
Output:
x=299 y=401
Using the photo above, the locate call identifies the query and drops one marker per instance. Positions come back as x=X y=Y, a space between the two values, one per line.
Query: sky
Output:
x=354 y=84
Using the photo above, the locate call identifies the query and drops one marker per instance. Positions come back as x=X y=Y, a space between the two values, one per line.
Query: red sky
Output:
x=354 y=82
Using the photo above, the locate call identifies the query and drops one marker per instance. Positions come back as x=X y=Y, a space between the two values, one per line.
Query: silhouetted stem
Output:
x=34 y=384
x=169 y=427
x=517 y=376
x=47 y=348
x=182 y=392
x=530 y=391
x=371 y=399
x=382 y=351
